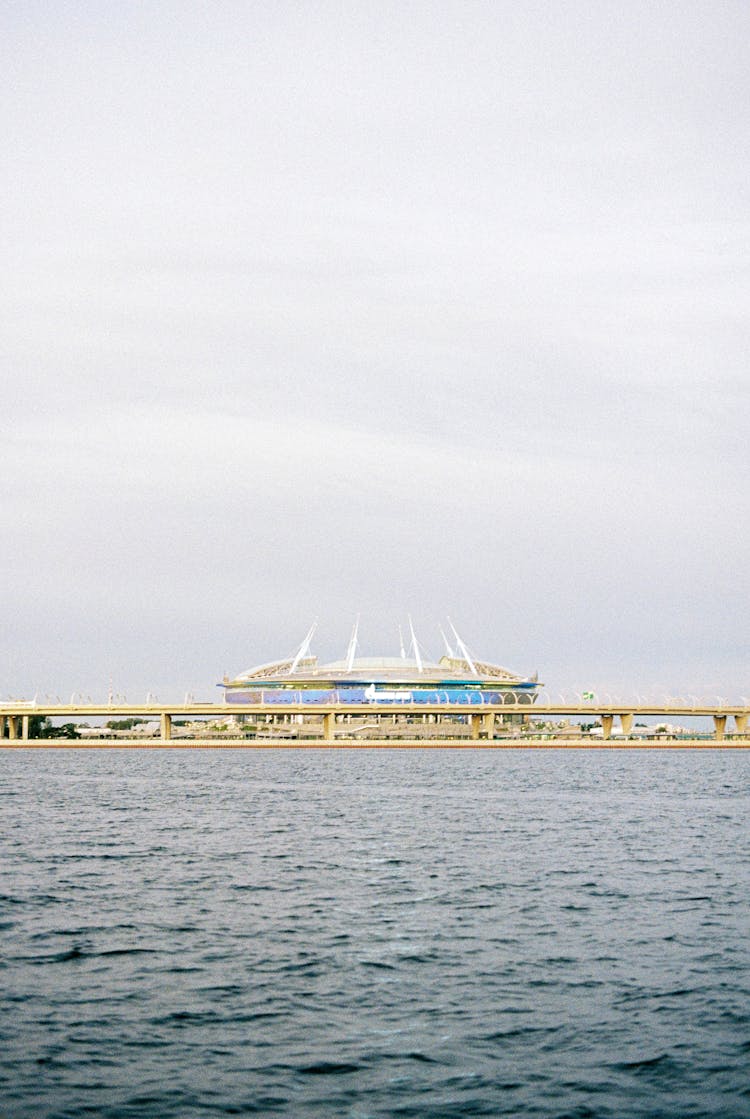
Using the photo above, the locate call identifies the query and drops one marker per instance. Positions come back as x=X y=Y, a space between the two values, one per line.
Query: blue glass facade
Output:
x=373 y=695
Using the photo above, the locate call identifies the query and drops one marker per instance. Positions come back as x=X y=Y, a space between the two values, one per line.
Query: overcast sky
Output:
x=311 y=310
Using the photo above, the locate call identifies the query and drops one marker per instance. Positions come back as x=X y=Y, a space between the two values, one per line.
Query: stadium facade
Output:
x=457 y=679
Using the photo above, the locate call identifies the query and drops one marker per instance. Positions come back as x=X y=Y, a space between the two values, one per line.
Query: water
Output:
x=374 y=933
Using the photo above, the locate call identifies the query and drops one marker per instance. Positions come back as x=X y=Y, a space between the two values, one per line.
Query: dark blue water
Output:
x=374 y=933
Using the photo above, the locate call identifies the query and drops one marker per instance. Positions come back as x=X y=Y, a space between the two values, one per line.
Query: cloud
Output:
x=326 y=311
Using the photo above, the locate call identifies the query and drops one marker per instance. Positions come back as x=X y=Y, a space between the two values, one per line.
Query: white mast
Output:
x=463 y=649
x=415 y=646
x=352 y=646
x=304 y=647
x=401 y=643
x=448 y=649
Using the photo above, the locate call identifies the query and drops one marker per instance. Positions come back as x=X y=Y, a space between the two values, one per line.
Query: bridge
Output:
x=335 y=719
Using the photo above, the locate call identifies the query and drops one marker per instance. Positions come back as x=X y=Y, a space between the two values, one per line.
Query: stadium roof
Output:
x=457 y=666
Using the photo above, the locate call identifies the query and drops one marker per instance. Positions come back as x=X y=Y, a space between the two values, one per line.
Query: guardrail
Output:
x=15 y=715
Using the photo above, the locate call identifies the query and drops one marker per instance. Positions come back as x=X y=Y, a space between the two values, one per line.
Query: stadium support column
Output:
x=476 y=723
x=166 y=726
x=607 y=725
x=720 y=724
x=741 y=723
x=12 y=726
x=24 y=727
x=329 y=721
x=488 y=723
x=626 y=722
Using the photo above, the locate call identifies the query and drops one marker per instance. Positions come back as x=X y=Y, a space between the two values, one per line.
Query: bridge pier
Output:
x=731 y=723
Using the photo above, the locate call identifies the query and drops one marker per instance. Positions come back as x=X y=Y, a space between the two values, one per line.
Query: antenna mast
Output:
x=415 y=646
x=352 y=646
x=304 y=647
x=448 y=649
x=463 y=649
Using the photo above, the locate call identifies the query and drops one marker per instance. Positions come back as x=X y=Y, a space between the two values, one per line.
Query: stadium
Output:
x=458 y=680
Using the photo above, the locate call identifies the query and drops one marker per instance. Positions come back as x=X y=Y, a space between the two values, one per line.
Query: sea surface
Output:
x=374 y=933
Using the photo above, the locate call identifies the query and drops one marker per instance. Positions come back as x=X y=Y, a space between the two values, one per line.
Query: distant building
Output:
x=456 y=679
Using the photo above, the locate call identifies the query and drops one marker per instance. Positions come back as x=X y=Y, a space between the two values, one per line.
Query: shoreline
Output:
x=371 y=744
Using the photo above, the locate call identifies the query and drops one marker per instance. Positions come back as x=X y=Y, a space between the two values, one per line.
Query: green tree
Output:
x=67 y=730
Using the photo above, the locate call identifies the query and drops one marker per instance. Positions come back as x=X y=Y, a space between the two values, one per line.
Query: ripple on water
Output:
x=372 y=934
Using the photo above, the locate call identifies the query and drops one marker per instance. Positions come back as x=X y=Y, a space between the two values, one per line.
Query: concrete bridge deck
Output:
x=480 y=718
